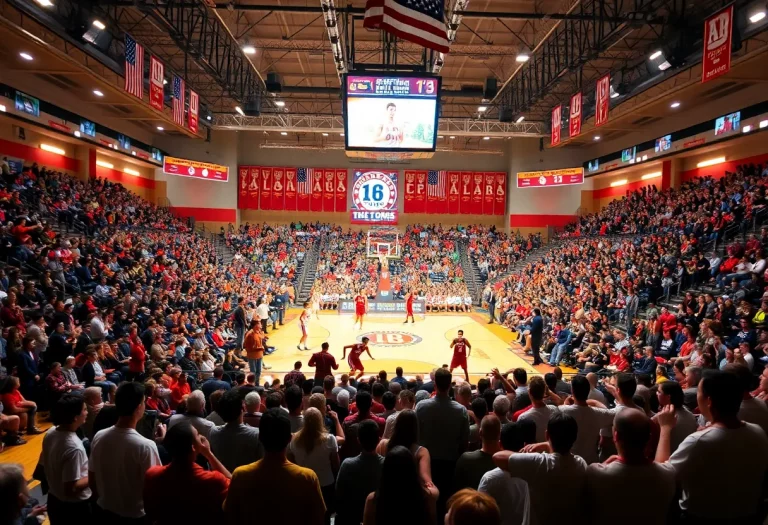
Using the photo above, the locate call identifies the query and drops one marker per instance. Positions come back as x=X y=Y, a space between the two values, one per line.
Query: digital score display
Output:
x=391 y=113
x=541 y=179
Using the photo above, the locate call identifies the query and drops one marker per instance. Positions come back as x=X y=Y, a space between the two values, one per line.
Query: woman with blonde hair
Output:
x=314 y=448
x=406 y=434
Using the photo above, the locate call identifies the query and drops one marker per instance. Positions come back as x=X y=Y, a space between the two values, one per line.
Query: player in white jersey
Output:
x=304 y=325
x=390 y=132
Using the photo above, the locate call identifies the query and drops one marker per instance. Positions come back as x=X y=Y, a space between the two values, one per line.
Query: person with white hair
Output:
x=252 y=414
x=14 y=496
x=194 y=414
x=501 y=406
x=94 y=404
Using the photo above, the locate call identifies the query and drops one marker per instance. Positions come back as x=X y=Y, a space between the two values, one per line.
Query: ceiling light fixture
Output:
x=249 y=50
x=763 y=123
x=651 y=175
x=481 y=109
x=341 y=134
x=486 y=138
x=129 y=171
x=280 y=103
x=621 y=182
x=710 y=162
x=283 y=133
x=98 y=93
x=44 y=3
x=105 y=164
x=522 y=57
x=596 y=137
x=746 y=129
x=207 y=117
x=2 y=108
x=77 y=134
x=99 y=24
x=655 y=55
x=452 y=137
x=520 y=119
x=133 y=153
x=165 y=81
x=675 y=105
x=52 y=149
x=26 y=56
x=439 y=136
x=239 y=110
x=160 y=128
x=325 y=134
x=756 y=17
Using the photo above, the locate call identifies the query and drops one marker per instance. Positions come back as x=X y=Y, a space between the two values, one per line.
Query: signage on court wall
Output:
x=382 y=307
x=195 y=169
x=563 y=177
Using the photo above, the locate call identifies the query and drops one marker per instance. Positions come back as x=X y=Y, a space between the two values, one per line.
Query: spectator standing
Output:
x=358 y=476
x=511 y=494
x=254 y=348
x=194 y=415
x=239 y=323
x=590 y=419
x=120 y=448
x=324 y=364
x=537 y=332
x=670 y=393
x=235 y=443
x=472 y=466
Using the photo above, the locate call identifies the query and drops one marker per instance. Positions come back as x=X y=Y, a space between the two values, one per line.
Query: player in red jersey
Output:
x=361 y=308
x=461 y=351
x=355 y=351
x=409 y=308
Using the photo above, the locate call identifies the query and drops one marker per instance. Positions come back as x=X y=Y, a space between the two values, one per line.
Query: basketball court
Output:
x=417 y=347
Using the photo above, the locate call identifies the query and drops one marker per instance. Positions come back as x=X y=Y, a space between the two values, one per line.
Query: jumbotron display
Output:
x=391 y=113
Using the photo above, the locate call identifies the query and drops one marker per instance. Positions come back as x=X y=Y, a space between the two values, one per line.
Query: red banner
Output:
x=574 y=119
x=329 y=190
x=242 y=187
x=465 y=198
x=718 y=33
x=253 y=189
x=278 y=189
x=501 y=193
x=341 y=190
x=156 y=77
x=316 y=203
x=194 y=110
x=557 y=114
x=409 y=194
x=477 y=192
x=454 y=192
x=265 y=201
x=489 y=188
x=290 y=189
x=602 y=98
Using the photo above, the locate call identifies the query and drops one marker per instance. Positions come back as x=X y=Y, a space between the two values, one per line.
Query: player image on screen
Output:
x=390 y=132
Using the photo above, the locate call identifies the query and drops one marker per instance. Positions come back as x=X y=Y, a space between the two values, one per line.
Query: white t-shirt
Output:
x=550 y=477
x=65 y=460
x=686 y=425
x=755 y=411
x=721 y=471
x=540 y=416
x=203 y=426
x=319 y=460
x=511 y=495
x=589 y=420
x=606 y=484
x=596 y=395
x=262 y=311
x=120 y=457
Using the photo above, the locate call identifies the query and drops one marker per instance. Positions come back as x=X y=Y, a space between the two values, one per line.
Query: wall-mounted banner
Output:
x=195 y=169
x=557 y=114
x=718 y=32
x=574 y=120
x=602 y=100
x=374 y=197
x=564 y=177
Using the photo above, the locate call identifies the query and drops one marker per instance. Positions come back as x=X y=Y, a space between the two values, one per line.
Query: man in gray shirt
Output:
x=235 y=443
x=358 y=476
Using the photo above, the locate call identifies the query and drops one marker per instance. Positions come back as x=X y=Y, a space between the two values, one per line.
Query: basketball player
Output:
x=304 y=324
x=409 y=308
x=361 y=308
x=461 y=351
x=355 y=351
x=390 y=131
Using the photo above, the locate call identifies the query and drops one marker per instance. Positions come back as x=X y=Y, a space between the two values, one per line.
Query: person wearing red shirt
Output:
x=184 y=480
x=179 y=391
x=138 y=355
x=668 y=321
x=324 y=364
x=364 y=403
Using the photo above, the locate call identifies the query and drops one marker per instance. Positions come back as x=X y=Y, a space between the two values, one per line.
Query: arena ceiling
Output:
x=236 y=52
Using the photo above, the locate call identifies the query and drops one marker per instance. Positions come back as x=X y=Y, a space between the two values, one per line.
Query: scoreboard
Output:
x=540 y=179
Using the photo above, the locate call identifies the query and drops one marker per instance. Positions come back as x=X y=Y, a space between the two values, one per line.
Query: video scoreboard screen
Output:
x=391 y=113
x=538 y=179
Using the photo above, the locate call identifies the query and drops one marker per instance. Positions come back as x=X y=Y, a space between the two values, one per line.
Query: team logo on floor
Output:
x=390 y=338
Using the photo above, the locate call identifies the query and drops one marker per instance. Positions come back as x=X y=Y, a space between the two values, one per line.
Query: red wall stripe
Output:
x=206 y=214
x=620 y=191
x=539 y=221
x=43 y=158
x=124 y=178
x=719 y=170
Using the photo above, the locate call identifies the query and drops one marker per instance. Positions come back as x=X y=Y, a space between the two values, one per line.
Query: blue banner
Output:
x=374 y=197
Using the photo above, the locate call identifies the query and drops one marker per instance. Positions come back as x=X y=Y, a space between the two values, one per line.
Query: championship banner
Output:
x=329 y=190
x=564 y=177
x=374 y=197
x=465 y=198
x=602 y=98
x=490 y=193
x=156 y=76
x=383 y=307
x=265 y=197
x=316 y=202
x=718 y=33
x=557 y=114
x=341 y=190
x=195 y=169
x=253 y=188
x=290 y=189
x=574 y=119
x=409 y=193
x=194 y=110
x=454 y=196
x=242 y=187
x=501 y=194
x=278 y=189
x=477 y=192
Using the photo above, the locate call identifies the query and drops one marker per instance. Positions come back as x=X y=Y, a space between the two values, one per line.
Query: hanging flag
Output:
x=242 y=184
x=265 y=194
x=253 y=188
x=454 y=183
x=602 y=97
x=341 y=190
x=718 y=33
x=194 y=107
x=436 y=182
x=557 y=117
x=316 y=201
x=490 y=193
x=303 y=188
x=178 y=100
x=477 y=192
x=278 y=189
x=465 y=197
x=574 y=119
x=329 y=190
x=501 y=193
x=419 y=21
x=290 y=189
x=134 y=67
x=156 y=76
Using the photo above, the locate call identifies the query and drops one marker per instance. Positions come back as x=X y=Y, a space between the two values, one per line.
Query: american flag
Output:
x=436 y=183
x=418 y=21
x=178 y=100
x=134 y=67
x=304 y=178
